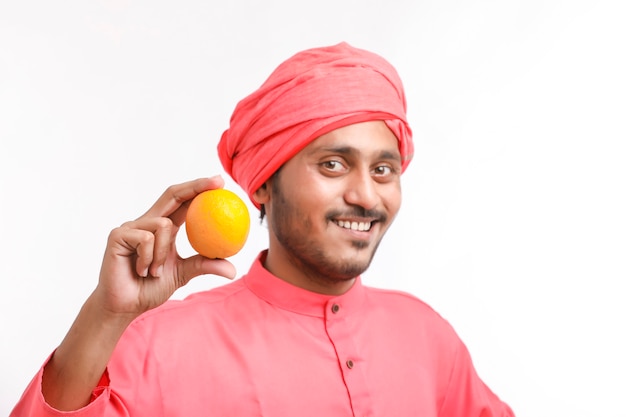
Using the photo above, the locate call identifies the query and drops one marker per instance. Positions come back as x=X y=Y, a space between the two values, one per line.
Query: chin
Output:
x=352 y=266
x=345 y=272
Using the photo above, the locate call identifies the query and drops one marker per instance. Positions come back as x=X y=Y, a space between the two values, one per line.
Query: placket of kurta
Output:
x=348 y=359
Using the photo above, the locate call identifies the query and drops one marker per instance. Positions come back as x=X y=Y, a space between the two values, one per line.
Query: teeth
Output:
x=361 y=226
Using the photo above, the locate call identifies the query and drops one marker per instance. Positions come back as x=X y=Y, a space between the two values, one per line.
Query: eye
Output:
x=333 y=165
x=383 y=171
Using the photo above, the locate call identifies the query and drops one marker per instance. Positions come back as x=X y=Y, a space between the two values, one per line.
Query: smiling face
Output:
x=330 y=205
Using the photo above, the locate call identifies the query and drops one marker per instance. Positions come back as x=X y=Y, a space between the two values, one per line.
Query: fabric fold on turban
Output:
x=310 y=94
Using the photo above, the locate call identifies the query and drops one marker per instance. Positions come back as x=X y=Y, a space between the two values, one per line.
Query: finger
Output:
x=199 y=265
x=164 y=236
x=176 y=196
x=164 y=233
x=128 y=241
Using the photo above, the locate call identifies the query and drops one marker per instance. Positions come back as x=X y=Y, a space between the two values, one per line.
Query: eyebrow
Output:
x=350 y=150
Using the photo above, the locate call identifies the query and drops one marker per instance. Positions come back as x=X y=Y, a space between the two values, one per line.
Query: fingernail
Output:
x=159 y=271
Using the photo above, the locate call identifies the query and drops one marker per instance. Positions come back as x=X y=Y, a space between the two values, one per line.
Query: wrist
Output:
x=100 y=312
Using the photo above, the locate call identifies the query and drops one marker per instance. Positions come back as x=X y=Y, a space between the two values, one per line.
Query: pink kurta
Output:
x=262 y=347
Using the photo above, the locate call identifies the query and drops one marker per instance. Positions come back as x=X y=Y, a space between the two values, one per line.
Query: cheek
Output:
x=392 y=198
x=293 y=204
x=311 y=204
x=313 y=193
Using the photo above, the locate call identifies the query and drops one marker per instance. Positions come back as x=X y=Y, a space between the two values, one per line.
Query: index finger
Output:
x=177 y=196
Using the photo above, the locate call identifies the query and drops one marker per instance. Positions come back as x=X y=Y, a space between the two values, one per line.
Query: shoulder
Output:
x=405 y=307
x=400 y=299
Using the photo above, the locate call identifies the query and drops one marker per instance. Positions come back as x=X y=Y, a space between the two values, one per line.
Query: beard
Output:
x=292 y=230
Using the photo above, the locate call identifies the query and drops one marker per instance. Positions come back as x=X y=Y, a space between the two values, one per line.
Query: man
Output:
x=319 y=148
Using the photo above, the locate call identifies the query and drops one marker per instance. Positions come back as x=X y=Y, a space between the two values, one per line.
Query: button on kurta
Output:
x=342 y=328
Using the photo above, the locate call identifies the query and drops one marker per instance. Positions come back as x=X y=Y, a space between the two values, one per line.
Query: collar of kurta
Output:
x=286 y=296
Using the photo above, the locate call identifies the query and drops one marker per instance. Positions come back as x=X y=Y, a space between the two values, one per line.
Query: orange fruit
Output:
x=217 y=223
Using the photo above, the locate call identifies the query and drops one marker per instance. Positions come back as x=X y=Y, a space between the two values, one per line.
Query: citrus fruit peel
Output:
x=217 y=223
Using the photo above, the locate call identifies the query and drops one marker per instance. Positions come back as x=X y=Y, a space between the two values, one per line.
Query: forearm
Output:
x=80 y=360
x=141 y=269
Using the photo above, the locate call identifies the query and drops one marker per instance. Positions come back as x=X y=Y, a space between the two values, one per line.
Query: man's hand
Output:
x=141 y=269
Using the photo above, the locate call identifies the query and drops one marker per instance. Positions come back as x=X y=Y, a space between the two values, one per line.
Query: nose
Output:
x=361 y=190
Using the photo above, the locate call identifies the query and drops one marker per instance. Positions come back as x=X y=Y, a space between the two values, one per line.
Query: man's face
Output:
x=330 y=205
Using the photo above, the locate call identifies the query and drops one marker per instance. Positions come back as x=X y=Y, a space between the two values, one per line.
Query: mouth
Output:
x=354 y=225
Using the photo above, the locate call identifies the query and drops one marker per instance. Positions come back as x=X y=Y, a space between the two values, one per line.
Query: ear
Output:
x=262 y=194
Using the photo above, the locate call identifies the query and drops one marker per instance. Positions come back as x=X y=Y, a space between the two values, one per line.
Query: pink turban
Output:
x=310 y=94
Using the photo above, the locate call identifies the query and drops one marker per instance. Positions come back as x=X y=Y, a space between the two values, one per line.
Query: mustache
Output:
x=357 y=211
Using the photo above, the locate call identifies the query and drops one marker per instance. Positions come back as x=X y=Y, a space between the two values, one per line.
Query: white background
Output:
x=513 y=223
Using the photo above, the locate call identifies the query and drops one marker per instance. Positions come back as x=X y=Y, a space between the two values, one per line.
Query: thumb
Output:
x=199 y=265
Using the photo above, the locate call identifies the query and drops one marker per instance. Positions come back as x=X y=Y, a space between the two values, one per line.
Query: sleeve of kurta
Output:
x=103 y=402
x=467 y=394
x=118 y=393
